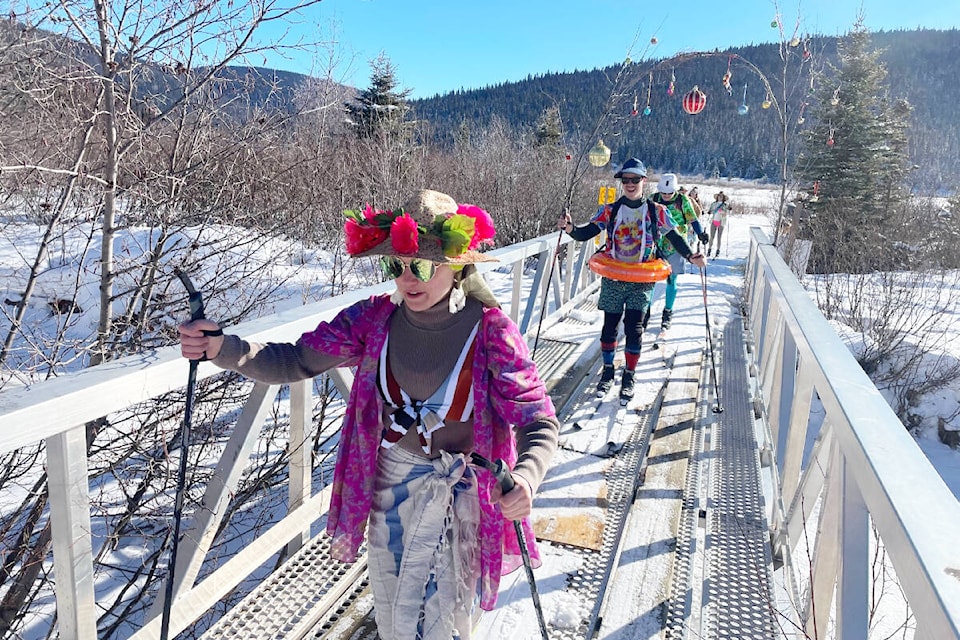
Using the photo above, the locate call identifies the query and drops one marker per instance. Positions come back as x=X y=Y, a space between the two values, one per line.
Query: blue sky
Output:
x=438 y=46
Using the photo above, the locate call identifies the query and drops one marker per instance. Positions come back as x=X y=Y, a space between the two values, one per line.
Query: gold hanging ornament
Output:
x=599 y=155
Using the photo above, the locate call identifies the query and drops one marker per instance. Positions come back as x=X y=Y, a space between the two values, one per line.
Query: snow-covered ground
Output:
x=306 y=272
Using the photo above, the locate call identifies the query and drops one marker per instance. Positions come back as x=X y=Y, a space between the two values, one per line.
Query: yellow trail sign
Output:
x=607 y=195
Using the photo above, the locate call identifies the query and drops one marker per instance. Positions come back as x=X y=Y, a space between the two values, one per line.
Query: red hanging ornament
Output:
x=727 y=77
x=694 y=101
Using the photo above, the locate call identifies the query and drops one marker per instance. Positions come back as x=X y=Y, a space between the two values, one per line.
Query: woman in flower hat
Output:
x=441 y=371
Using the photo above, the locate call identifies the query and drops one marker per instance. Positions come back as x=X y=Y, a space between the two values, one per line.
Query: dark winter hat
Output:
x=632 y=167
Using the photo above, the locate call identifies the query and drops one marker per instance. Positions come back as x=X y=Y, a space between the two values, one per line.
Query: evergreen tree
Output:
x=549 y=127
x=381 y=108
x=856 y=155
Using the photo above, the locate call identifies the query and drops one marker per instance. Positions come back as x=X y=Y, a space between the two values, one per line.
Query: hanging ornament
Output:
x=654 y=41
x=830 y=137
x=634 y=111
x=694 y=101
x=727 y=76
x=673 y=83
x=835 y=100
x=743 y=108
x=794 y=41
x=647 y=110
x=599 y=155
x=800 y=117
x=775 y=23
x=767 y=101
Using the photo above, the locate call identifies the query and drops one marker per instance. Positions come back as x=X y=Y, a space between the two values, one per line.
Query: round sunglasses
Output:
x=421 y=268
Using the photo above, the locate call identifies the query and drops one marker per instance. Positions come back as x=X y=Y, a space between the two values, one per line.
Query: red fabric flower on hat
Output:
x=404 y=235
x=483 y=224
x=360 y=238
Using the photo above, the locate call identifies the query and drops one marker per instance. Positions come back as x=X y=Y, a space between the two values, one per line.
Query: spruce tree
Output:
x=549 y=127
x=855 y=160
x=381 y=108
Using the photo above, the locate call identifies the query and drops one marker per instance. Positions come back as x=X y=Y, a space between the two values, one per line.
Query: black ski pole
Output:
x=196 y=313
x=502 y=474
x=713 y=362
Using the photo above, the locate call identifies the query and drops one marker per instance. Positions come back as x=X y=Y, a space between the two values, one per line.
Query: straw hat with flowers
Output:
x=431 y=225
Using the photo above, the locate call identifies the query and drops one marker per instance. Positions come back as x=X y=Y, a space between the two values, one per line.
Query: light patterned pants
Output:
x=424 y=560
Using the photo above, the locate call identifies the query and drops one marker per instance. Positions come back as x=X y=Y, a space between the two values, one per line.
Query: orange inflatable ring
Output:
x=653 y=271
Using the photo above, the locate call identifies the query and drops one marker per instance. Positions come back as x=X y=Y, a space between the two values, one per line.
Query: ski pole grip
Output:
x=196 y=306
x=504 y=478
x=498 y=469
x=195 y=299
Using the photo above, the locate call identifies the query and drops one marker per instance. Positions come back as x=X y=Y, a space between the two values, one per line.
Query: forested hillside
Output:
x=923 y=67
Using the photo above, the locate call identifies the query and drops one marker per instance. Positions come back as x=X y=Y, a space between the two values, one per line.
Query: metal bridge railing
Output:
x=864 y=483
x=58 y=409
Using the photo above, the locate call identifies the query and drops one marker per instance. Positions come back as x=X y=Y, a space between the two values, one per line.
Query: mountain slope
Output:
x=922 y=68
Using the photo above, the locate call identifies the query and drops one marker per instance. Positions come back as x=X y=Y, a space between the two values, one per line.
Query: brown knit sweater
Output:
x=423 y=350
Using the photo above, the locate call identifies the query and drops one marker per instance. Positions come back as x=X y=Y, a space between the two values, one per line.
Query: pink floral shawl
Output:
x=507 y=391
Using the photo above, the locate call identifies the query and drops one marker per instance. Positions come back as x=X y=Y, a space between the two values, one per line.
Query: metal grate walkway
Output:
x=738 y=602
x=723 y=564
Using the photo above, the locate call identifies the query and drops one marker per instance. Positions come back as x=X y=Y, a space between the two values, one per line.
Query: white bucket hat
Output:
x=667 y=183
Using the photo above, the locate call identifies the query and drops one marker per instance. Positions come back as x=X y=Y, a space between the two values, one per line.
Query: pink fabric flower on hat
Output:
x=369 y=213
x=360 y=238
x=404 y=235
x=483 y=224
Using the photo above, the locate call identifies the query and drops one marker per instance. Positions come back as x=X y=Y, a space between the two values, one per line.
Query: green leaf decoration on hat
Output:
x=456 y=233
x=355 y=215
